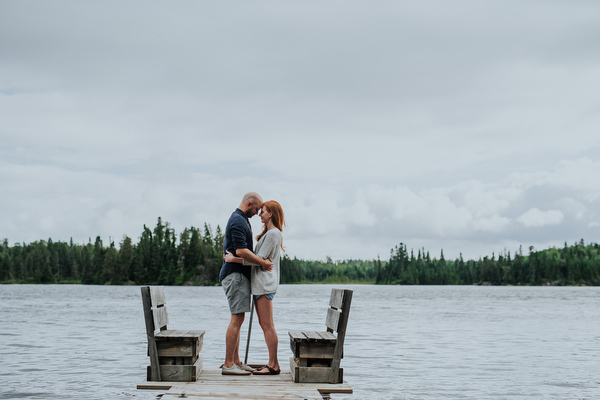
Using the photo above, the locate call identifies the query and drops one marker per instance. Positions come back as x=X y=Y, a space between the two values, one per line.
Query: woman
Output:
x=265 y=283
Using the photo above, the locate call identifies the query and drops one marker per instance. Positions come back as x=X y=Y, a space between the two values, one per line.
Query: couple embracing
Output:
x=248 y=273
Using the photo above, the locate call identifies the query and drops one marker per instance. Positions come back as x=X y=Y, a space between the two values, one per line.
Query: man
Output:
x=235 y=278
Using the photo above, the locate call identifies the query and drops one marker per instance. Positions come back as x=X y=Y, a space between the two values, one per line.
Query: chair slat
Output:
x=333 y=319
x=183 y=336
x=337 y=295
x=328 y=336
x=157 y=294
x=161 y=318
x=311 y=335
x=296 y=335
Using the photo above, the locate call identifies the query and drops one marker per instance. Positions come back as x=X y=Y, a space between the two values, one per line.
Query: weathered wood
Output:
x=157 y=295
x=154 y=385
x=174 y=354
x=327 y=336
x=174 y=334
x=336 y=298
x=181 y=373
x=319 y=353
x=154 y=371
x=179 y=348
x=314 y=350
x=212 y=385
x=177 y=360
x=308 y=336
x=161 y=318
x=301 y=362
x=335 y=376
x=332 y=320
x=313 y=336
x=312 y=374
x=296 y=335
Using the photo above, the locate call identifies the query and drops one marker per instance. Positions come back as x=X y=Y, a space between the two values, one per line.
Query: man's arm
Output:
x=254 y=259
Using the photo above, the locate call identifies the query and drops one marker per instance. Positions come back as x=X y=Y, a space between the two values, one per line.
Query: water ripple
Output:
x=415 y=342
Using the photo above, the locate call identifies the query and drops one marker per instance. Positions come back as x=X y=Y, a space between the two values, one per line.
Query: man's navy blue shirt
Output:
x=238 y=235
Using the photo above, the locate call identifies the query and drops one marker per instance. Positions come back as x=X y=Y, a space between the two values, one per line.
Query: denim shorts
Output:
x=268 y=296
x=237 y=290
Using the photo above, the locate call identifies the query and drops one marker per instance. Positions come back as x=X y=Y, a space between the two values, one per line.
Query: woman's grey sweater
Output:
x=268 y=247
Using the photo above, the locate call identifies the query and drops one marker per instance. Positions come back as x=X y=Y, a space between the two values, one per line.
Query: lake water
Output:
x=403 y=342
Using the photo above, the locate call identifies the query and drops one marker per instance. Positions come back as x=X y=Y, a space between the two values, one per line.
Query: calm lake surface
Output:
x=403 y=342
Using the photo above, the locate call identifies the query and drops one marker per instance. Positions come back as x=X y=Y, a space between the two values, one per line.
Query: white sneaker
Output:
x=245 y=367
x=233 y=370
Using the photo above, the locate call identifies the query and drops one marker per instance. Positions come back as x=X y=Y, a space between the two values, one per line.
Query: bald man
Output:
x=235 y=278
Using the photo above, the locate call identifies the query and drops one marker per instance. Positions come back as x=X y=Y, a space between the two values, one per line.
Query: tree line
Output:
x=578 y=264
x=194 y=257
x=159 y=257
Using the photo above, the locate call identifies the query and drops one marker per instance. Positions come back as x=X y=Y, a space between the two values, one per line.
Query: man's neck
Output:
x=244 y=212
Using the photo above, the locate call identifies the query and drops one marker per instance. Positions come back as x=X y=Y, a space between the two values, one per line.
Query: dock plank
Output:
x=212 y=385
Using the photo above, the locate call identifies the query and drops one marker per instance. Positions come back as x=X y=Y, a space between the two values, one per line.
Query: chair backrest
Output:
x=339 y=307
x=156 y=317
x=155 y=308
x=336 y=321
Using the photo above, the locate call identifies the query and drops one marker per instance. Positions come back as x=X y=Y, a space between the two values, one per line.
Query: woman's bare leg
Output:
x=264 y=310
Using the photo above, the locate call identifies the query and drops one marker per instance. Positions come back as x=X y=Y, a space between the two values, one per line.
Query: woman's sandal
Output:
x=271 y=371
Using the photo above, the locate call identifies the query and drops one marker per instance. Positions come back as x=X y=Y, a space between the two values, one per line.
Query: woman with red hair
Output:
x=265 y=283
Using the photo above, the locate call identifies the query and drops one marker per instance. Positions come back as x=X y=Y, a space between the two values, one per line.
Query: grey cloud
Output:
x=433 y=123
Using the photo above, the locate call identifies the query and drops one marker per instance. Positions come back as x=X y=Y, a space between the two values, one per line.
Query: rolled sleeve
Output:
x=238 y=236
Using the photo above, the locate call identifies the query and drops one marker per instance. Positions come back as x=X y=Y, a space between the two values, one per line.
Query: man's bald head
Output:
x=251 y=203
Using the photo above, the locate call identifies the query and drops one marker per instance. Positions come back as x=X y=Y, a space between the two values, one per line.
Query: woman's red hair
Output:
x=277 y=218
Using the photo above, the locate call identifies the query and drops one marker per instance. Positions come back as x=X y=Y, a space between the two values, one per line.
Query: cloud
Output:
x=449 y=126
x=494 y=223
x=535 y=218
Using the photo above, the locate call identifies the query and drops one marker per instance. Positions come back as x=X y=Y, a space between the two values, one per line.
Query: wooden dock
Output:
x=212 y=385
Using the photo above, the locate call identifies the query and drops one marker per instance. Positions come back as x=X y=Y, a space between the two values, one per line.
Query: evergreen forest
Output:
x=578 y=264
x=194 y=257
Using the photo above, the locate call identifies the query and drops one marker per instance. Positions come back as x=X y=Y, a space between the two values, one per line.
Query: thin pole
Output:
x=249 y=331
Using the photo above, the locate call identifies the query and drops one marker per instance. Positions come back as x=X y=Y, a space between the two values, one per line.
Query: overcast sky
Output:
x=467 y=126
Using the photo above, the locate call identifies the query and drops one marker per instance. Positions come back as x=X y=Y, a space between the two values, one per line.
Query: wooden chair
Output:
x=317 y=355
x=174 y=354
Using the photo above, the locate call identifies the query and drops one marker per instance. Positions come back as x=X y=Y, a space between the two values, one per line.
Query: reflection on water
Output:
x=415 y=342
